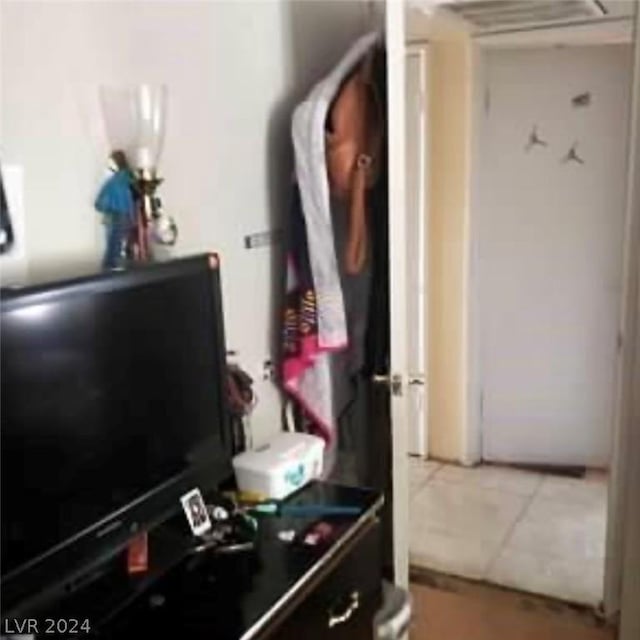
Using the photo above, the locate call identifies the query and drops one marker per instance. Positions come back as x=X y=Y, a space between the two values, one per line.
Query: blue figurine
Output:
x=116 y=202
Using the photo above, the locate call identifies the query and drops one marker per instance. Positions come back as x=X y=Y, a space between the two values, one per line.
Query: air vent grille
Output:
x=494 y=14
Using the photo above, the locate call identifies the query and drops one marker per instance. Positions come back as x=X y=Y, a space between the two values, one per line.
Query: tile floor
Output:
x=524 y=530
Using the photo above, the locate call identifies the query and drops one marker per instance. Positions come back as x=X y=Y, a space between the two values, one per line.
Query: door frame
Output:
x=619 y=498
x=622 y=571
x=419 y=422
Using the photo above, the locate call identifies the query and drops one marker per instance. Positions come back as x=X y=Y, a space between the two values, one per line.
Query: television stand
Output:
x=280 y=590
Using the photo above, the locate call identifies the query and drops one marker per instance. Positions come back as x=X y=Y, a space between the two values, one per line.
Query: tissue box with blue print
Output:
x=280 y=467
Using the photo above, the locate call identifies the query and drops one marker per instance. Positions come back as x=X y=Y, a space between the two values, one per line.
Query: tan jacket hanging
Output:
x=353 y=144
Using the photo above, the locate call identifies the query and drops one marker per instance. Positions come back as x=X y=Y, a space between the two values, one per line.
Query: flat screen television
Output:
x=113 y=406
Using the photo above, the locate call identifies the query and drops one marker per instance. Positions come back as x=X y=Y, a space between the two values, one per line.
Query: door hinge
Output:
x=487 y=100
x=619 y=341
x=416 y=380
x=481 y=406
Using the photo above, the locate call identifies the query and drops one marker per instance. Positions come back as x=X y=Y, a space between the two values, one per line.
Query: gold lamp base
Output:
x=148 y=210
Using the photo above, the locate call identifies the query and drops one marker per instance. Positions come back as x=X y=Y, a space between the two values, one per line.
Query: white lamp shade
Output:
x=135 y=118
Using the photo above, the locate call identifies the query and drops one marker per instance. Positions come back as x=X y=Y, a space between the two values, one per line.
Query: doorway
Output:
x=518 y=496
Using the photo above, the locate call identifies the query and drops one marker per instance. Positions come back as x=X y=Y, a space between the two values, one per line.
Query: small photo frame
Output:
x=196 y=511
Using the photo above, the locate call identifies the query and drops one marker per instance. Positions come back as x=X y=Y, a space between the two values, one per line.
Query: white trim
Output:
x=472 y=419
x=617 y=31
x=419 y=416
x=424 y=243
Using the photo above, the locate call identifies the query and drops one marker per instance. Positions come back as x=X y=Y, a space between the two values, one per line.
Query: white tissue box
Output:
x=280 y=467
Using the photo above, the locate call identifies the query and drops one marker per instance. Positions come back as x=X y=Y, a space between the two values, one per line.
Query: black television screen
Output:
x=112 y=390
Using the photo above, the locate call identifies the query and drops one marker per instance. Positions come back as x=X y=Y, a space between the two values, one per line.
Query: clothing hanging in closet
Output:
x=330 y=261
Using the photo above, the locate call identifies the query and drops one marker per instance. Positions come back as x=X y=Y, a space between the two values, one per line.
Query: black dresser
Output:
x=281 y=590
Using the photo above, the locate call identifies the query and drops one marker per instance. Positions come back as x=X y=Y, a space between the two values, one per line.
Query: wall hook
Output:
x=572 y=155
x=534 y=139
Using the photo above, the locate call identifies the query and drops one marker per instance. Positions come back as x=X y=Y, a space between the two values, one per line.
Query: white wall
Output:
x=234 y=70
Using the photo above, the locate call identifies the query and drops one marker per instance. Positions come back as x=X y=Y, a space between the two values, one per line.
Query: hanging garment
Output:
x=354 y=139
x=315 y=324
x=309 y=143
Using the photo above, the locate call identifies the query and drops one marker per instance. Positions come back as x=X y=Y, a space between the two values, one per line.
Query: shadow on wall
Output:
x=319 y=33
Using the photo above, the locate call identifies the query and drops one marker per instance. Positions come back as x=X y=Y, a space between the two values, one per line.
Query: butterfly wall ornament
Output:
x=534 y=140
x=572 y=155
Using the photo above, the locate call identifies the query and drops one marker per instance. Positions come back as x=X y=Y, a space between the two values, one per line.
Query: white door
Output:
x=550 y=225
x=398 y=306
x=416 y=256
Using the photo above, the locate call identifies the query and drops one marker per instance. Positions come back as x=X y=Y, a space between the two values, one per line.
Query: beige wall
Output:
x=450 y=122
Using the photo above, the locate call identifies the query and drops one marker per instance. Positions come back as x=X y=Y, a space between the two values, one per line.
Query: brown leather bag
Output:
x=353 y=144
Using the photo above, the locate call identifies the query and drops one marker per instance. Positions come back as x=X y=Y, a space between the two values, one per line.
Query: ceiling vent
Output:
x=504 y=14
